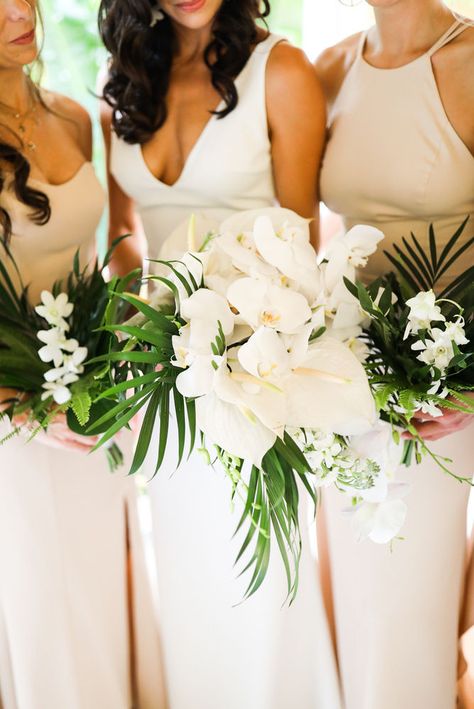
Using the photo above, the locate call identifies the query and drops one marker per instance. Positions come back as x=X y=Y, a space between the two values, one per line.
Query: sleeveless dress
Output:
x=69 y=539
x=220 y=654
x=394 y=160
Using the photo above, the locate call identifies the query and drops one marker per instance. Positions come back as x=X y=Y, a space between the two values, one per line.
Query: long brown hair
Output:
x=15 y=167
x=142 y=55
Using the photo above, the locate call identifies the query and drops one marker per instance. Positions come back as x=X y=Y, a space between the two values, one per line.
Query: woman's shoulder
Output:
x=334 y=62
x=290 y=71
x=76 y=118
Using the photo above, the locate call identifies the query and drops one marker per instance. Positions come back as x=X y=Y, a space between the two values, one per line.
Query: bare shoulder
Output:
x=333 y=64
x=76 y=118
x=290 y=74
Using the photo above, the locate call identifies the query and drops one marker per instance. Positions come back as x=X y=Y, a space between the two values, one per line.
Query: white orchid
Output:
x=423 y=311
x=455 y=331
x=381 y=521
x=55 y=310
x=59 y=389
x=260 y=303
x=437 y=352
x=56 y=344
x=288 y=248
x=72 y=364
x=348 y=252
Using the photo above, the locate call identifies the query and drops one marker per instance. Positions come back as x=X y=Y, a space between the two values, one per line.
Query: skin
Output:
x=64 y=142
x=405 y=30
x=296 y=124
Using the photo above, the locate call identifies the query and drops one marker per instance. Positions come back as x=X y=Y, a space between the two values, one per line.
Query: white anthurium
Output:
x=288 y=248
x=381 y=522
x=55 y=310
x=348 y=252
x=225 y=425
x=257 y=398
x=55 y=344
x=358 y=347
x=330 y=391
x=261 y=303
x=189 y=235
x=72 y=364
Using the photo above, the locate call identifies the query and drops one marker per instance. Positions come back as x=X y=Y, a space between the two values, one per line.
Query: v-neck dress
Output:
x=219 y=654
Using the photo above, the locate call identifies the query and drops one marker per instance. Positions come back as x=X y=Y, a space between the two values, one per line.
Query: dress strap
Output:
x=454 y=31
x=361 y=44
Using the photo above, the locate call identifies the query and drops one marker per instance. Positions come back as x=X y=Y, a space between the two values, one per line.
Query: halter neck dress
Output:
x=394 y=160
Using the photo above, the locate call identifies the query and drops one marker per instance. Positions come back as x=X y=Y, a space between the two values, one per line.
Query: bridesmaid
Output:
x=401 y=155
x=67 y=527
x=208 y=113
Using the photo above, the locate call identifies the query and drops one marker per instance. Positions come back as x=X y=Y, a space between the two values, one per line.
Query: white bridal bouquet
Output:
x=252 y=343
x=45 y=350
x=418 y=337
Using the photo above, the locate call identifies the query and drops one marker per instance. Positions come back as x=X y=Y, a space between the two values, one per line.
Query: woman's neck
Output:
x=409 y=27
x=15 y=90
x=191 y=44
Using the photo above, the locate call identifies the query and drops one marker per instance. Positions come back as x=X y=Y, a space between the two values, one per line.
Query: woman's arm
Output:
x=297 y=127
x=123 y=218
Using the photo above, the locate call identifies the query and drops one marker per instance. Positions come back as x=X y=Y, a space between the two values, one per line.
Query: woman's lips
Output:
x=191 y=6
x=25 y=38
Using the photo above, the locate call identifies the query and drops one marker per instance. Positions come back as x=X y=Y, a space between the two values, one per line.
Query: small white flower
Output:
x=428 y=407
x=437 y=352
x=380 y=522
x=55 y=310
x=72 y=364
x=58 y=390
x=423 y=311
x=455 y=331
x=56 y=344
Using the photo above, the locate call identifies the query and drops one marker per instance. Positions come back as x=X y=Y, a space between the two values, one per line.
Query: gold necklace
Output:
x=22 y=119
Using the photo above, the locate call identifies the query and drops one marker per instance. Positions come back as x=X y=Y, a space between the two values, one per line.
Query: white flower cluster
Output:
x=66 y=354
x=334 y=462
x=363 y=468
x=248 y=351
x=436 y=345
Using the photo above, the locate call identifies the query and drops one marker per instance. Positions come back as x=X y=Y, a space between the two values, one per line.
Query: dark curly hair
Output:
x=15 y=166
x=142 y=56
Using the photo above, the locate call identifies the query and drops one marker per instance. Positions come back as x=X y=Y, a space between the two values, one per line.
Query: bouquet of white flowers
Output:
x=245 y=342
x=44 y=350
x=419 y=337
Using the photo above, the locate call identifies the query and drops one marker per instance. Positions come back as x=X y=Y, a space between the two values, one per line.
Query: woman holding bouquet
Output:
x=206 y=113
x=401 y=156
x=66 y=525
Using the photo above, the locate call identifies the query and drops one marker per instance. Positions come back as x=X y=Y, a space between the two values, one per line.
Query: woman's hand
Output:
x=432 y=429
x=59 y=435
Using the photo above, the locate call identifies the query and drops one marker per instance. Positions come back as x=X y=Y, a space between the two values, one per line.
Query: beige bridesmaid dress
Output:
x=395 y=161
x=77 y=623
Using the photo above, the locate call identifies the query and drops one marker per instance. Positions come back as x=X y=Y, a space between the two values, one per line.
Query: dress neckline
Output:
x=452 y=31
x=201 y=138
x=51 y=185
